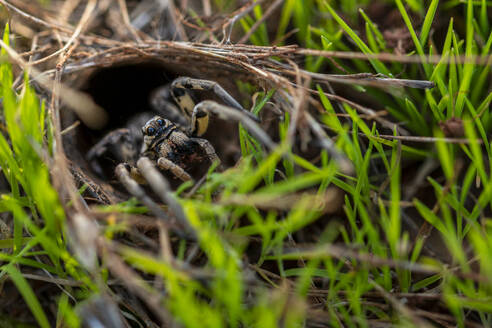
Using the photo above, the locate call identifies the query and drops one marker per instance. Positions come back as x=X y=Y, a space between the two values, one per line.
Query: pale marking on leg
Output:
x=228 y=113
x=197 y=84
x=199 y=123
x=175 y=169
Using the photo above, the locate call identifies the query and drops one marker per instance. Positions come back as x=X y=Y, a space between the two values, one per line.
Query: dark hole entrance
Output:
x=124 y=91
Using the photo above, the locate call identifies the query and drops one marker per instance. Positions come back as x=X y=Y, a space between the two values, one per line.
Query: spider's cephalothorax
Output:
x=155 y=131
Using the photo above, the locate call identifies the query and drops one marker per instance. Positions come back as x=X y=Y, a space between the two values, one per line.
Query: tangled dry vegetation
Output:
x=321 y=230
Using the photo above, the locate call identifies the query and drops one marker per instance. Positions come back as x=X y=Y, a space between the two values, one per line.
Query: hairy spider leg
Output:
x=118 y=144
x=175 y=169
x=187 y=104
x=123 y=174
x=125 y=177
x=161 y=187
x=228 y=113
x=161 y=104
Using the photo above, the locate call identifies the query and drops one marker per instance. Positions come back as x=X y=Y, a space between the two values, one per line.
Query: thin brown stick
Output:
x=372 y=260
x=70 y=128
x=426 y=139
x=57 y=281
x=35 y=50
x=368 y=79
x=60 y=170
x=373 y=80
x=299 y=103
x=84 y=20
x=389 y=57
x=126 y=20
x=446 y=318
x=367 y=111
x=400 y=307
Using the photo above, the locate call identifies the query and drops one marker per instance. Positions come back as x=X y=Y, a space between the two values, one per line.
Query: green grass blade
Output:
x=28 y=295
x=378 y=65
x=429 y=18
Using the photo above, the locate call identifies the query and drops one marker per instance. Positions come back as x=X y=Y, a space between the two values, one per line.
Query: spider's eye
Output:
x=160 y=122
x=150 y=131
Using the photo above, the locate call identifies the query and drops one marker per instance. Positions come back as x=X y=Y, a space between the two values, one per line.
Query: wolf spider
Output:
x=171 y=146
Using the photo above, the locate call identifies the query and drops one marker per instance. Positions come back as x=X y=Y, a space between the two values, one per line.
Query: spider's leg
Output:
x=187 y=104
x=159 y=101
x=208 y=148
x=118 y=145
x=226 y=112
x=161 y=187
x=125 y=177
x=175 y=169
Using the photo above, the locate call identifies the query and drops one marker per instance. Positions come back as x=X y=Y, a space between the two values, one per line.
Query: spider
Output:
x=172 y=145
